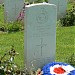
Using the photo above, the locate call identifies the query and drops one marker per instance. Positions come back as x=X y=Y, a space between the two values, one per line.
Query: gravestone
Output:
x=40 y=34
x=12 y=9
x=61 y=7
x=1 y=1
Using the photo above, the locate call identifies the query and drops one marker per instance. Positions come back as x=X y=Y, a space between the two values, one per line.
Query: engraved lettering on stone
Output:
x=42 y=45
x=42 y=16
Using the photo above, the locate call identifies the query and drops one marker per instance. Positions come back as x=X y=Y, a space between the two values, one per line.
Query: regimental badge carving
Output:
x=42 y=16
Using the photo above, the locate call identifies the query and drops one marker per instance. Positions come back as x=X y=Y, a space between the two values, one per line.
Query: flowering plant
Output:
x=8 y=66
x=58 y=68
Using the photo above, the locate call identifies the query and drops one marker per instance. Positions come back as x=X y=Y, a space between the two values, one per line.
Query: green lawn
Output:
x=64 y=43
x=1 y=14
x=16 y=39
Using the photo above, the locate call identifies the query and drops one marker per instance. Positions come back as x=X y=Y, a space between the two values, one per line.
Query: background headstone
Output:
x=40 y=34
x=61 y=7
x=1 y=1
x=12 y=8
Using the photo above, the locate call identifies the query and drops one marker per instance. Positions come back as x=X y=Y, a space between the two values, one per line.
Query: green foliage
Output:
x=10 y=27
x=13 y=26
x=16 y=39
x=64 y=42
x=1 y=13
x=64 y=45
x=69 y=19
x=8 y=66
x=2 y=26
x=71 y=1
x=71 y=59
x=40 y=1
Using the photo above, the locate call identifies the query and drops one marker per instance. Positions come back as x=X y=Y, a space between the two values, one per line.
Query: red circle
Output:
x=59 y=70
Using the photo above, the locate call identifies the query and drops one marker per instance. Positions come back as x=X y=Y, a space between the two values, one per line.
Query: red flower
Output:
x=59 y=70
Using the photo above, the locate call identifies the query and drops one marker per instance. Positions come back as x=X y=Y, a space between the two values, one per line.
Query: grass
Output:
x=70 y=5
x=64 y=42
x=16 y=39
x=1 y=14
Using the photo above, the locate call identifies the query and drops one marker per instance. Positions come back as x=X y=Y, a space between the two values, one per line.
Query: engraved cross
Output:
x=42 y=45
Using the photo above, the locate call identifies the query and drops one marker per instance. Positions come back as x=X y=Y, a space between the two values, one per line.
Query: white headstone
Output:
x=40 y=34
x=61 y=7
x=12 y=9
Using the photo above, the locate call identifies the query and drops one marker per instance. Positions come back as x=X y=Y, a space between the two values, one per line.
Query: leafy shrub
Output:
x=7 y=64
x=2 y=26
x=12 y=27
x=69 y=19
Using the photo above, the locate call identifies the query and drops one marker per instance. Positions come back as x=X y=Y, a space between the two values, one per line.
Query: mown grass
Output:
x=1 y=14
x=64 y=42
x=15 y=39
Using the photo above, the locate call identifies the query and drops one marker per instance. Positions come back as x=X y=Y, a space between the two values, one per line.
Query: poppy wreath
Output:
x=58 y=68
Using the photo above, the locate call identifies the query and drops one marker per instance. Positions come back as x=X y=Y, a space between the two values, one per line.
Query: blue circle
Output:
x=46 y=68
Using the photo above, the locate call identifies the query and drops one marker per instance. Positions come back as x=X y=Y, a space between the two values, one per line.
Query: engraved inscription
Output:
x=42 y=45
x=42 y=16
x=42 y=31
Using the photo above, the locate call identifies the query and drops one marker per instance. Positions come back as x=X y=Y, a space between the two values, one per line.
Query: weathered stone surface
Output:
x=12 y=8
x=61 y=7
x=40 y=34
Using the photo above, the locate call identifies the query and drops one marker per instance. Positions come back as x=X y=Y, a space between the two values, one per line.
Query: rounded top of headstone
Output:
x=44 y=3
